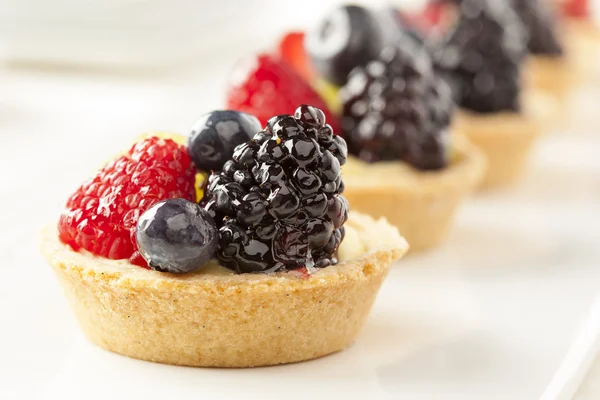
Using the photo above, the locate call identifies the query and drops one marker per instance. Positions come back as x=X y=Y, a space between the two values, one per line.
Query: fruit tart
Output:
x=482 y=56
x=403 y=164
x=549 y=67
x=267 y=268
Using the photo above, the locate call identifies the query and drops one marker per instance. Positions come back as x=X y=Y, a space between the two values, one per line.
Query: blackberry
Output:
x=482 y=56
x=541 y=27
x=278 y=202
x=396 y=108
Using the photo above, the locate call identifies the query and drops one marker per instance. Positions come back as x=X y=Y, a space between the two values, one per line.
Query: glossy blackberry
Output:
x=278 y=202
x=541 y=27
x=482 y=55
x=397 y=109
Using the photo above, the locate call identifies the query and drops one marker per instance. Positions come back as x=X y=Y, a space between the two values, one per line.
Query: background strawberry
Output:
x=266 y=86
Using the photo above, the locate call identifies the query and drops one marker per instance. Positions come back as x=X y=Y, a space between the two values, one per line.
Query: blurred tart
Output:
x=265 y=269
x=421 y=204
x=482 y=56
x=404 y=165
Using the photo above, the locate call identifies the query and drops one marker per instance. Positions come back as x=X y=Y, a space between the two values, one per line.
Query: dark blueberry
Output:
x=347 y=37
x=176 y=236
x=215 y=135
x=277 y=202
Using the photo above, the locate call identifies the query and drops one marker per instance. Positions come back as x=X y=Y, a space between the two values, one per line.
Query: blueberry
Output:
x=176 y=236
x=215 y=135
x=347 y=37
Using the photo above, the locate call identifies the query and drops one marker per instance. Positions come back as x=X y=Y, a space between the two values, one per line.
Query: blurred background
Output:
x=79 y=79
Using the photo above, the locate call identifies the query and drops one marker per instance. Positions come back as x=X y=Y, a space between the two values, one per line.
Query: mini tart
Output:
x=505 y=138
x=583 y=41
x=215 y=318
x=551 y=74
x=420 y=203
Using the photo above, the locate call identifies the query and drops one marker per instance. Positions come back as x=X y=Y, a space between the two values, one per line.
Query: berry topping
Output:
x=102 y=214
x=482 y=55
x=347 y=37
x=396 y=108
x=541 y=27
x=277 y=203
x=267 y=86
x=216 y=134
x=292 y=51
x=176 y=236
x=575 y=8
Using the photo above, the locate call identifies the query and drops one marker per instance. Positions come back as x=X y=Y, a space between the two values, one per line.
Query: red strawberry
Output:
x=292 y=51
x=266 y=87
x=102 y=214
x=575 y=8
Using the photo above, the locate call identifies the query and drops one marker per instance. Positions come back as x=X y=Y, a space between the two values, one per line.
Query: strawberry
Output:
x=292 y=51
x=268 y=86
x=101 y=215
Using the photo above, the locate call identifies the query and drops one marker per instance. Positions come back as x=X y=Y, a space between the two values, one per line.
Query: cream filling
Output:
x=358 y=242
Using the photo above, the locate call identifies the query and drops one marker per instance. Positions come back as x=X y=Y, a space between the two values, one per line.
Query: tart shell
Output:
x=214 y=318
x=505 y=138
x=421 y=204
x=553 y=75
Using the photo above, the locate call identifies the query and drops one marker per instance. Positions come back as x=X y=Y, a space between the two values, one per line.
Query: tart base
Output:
x=214 y=318
x=421 y=204
x=505 y=138
x=553 y=75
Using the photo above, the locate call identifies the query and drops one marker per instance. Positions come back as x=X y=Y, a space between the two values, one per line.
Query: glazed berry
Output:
x=176 y=236
x=216 y=134
x=265 y=86
x=540 y=26
x=482 y=55
x=290 y=212
x=102 y=214
x=347 y=37
x=396 y=108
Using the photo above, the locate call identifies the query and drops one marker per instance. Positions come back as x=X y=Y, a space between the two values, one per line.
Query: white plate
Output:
x=489 y=315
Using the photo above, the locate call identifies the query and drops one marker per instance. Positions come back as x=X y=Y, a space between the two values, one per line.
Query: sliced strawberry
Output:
x=265 y=87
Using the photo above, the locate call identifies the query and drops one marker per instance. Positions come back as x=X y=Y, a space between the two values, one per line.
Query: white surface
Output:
x=581 y=356
x=490 y=315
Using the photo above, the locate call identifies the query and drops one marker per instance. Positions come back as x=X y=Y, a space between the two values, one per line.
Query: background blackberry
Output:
x=277 y=202
x=396 y=108
x=541 y=27
x=482 y=56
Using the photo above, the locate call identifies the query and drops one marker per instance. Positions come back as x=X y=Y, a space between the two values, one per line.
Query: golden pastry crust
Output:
x=219 y=319
x=583 y=42
x=505 y=138
x=421 y=204
x=554 y=75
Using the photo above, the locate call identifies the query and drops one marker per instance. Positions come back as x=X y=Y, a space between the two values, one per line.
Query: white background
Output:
x=487 y=316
